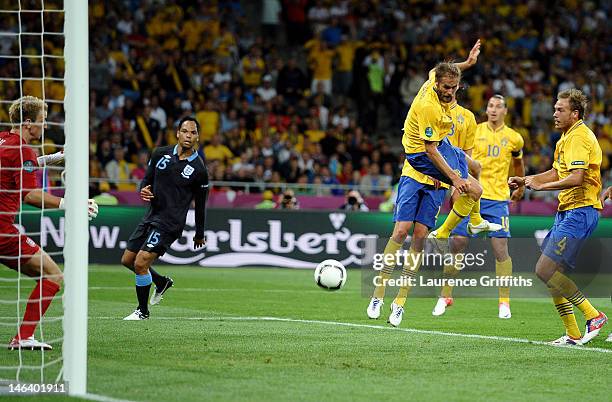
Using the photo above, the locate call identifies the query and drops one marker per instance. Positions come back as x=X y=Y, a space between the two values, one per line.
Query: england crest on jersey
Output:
x=187 y=171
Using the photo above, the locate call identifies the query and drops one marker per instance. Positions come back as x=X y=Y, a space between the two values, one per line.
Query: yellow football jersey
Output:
x=578 y=149
x=428 y=119
x=461 y=135
x=465 y=127
x=494 y=149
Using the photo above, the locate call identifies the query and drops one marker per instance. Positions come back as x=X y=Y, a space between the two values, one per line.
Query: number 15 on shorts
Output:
x=153 y=239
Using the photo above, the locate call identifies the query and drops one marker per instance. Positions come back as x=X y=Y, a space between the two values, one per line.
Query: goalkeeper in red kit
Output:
x=18 y=165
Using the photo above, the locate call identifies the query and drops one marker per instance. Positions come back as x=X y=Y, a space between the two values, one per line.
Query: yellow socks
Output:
x=568 y=289
x=391 y=248
x=566 y=312
x=475 y=218
x=504 y=268
x=411 y=267
x=462 y=208
x=450 y=272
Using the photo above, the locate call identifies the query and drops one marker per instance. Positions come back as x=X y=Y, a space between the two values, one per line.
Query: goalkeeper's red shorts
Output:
x=15 y=248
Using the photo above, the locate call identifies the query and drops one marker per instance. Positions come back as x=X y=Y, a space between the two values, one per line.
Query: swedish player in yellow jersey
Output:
x=576 y=172
x=424 y=205
x=430 y=153
x=496 y=147
x=461 y=137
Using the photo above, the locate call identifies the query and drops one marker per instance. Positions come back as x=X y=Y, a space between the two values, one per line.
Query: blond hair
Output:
x=26 y=108
x=577 y=100
x=447 y=69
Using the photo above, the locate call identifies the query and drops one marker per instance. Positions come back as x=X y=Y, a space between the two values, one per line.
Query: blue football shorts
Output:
x=417 y=202
x=568 y=234
x=455 y=157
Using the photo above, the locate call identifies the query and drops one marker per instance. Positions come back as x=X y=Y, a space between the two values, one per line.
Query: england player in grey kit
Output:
x=176 y=175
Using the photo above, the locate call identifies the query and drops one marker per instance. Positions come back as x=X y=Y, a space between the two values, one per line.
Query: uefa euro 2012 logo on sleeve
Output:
x=429 y=132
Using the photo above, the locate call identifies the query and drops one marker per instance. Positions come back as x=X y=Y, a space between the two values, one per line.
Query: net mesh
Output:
x=32 y=63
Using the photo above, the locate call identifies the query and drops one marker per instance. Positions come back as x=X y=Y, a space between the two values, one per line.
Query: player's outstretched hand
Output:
x=197 y=243
x=462 y=185
x=92 y=209
x=474 y=53
x=516 y=182
x=517 y=194
x=531 y=183
x=146 y=194
x=606 y=195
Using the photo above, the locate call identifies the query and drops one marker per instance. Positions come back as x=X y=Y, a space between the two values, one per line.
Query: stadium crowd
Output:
x=318 y=92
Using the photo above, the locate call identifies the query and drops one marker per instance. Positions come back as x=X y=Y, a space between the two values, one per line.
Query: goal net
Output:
x=37 y=58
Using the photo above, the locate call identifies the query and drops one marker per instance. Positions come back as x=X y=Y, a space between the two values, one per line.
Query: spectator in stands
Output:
x=374 y=181
x=320 y=61
x=253 y=68
x=410 y=85
x=266 y=92
x=291 y=81
x=216 y=151
x=105 y=197
x=287 y=200
x=267 y=201
x=149 y=129
x=140 y=170
x=158 y=113
x=341 y=118
x=118 y=171
x=229 y=121
x=209 y=119
x=290 y=170
x=270 y=19
x=354 y=202
x=105 y=152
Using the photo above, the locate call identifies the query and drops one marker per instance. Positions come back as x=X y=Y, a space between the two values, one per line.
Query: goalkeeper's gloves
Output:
x=51 y=159
x=92 y=208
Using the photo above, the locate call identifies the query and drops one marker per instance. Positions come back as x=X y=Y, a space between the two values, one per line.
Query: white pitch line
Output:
x=131 y=288
x=355 y=325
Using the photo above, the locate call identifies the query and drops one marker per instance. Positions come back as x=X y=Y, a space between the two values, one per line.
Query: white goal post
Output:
x=76 y=254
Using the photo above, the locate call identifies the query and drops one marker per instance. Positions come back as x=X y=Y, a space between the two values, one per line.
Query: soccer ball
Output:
x=330 y=275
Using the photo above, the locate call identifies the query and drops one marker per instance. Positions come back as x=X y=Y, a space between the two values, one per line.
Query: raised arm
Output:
x=472 y=57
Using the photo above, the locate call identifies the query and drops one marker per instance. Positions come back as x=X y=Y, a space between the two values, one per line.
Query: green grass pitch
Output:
x=203 y=342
